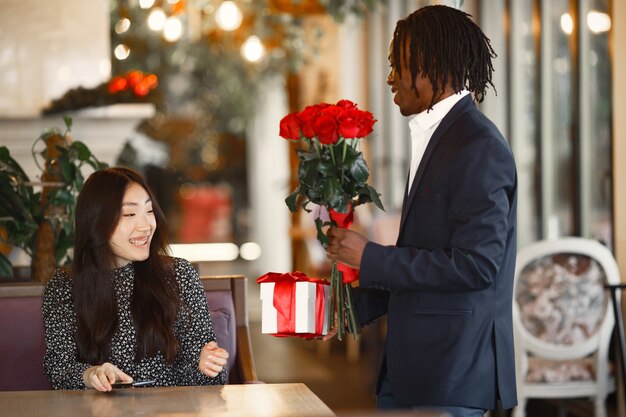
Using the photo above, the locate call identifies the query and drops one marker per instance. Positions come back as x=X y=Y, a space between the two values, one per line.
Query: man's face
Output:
x=401 y=83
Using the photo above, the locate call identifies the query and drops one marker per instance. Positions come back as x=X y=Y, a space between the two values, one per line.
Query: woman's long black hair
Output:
x=447 y=47
x=155 y=299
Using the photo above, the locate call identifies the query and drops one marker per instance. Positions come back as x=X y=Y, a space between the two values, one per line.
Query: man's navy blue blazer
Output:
x=447 y=285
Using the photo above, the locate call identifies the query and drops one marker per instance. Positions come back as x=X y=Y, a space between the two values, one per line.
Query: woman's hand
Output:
x=212 y=359
x=101 y=377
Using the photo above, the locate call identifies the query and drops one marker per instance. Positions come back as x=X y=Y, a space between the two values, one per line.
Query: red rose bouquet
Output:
x=333 y=174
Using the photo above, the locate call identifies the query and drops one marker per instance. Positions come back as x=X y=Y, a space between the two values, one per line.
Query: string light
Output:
x=173 y=29
x=253 y=49
x=121 y=52
x=146 y=4
x=122 y=25
x=228 y=16
x=156 y=19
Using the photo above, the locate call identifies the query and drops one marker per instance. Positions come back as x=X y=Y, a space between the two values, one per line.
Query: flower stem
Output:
x=353 y=324
x=332 y=154
x=338 y=294
x=317 y=147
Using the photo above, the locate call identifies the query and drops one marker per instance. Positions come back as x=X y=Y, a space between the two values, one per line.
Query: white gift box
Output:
x=305 y=297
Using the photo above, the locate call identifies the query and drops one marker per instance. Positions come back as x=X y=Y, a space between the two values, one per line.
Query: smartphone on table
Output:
x=133 y=384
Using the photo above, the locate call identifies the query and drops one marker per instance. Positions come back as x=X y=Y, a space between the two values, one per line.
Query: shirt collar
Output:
x=428 y=118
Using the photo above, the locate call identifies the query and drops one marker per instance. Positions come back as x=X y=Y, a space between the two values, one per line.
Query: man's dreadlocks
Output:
x=446 y=46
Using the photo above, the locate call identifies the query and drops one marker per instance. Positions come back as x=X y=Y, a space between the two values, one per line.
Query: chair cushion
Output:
x=562 y=299
x=224 y=322
x=543 y=370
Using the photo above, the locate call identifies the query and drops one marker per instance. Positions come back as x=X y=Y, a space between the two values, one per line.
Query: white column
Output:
x=268 y=179
x=352 y=69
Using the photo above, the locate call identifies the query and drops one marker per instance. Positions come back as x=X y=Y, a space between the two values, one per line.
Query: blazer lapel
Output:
x=464 y=105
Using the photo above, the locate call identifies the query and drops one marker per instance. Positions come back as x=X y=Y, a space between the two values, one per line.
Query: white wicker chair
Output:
x=563 y=320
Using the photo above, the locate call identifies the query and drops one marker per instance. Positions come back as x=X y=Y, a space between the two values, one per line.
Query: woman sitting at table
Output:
x=126 y=311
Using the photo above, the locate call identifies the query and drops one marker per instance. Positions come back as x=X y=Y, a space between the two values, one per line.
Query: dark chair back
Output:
x=21 y=338
x=22 y=344
x=227 y=299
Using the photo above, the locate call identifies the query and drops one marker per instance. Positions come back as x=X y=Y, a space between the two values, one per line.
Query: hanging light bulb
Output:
x=146 y=4
x=122 y=25
x=253 y=49
x=156 y=19
x=121 y=52
x=228 y=16
x=173 y=29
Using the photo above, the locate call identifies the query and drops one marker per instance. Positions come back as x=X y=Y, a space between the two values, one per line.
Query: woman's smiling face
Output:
x=131 y=238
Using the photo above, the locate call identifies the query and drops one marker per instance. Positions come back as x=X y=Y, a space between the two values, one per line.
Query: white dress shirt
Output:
x=423 y=125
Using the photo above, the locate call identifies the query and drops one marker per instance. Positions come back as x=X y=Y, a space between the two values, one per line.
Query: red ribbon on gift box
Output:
x=284 y=302
x=344 y=221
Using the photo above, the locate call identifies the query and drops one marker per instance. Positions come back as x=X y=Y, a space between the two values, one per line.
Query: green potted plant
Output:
x=42 y=222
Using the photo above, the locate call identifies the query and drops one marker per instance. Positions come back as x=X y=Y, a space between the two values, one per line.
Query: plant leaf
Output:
x=358 y=170
x=81 y=149
x=68 y=122
x=375 y=196
x=321 y=236
x=291 y=200
x=6 y=269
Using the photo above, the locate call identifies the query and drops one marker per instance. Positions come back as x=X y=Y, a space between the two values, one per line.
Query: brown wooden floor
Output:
x=349 y=387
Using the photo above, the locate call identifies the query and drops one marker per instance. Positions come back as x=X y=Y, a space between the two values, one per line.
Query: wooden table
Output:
x=267 y=400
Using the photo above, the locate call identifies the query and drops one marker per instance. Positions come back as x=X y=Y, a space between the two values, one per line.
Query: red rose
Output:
x=355 y=123
x=290 y=127
x=321 y=106
x=325 y=126
x=366 y=123
x=334 y=111
x=349 y=123
x=346 y=104
x=306 y=118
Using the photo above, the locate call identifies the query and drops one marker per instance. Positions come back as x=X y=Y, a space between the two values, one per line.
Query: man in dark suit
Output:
x=446 y=286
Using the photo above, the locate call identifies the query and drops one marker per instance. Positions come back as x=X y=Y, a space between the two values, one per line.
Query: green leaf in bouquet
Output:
x=359 y=170
x=305 y=203
x=375 y=197
x=333 y=193
x=314 y=196
x=327 y=169
x=292 y=200
x=308 y=171
x=321 y=236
